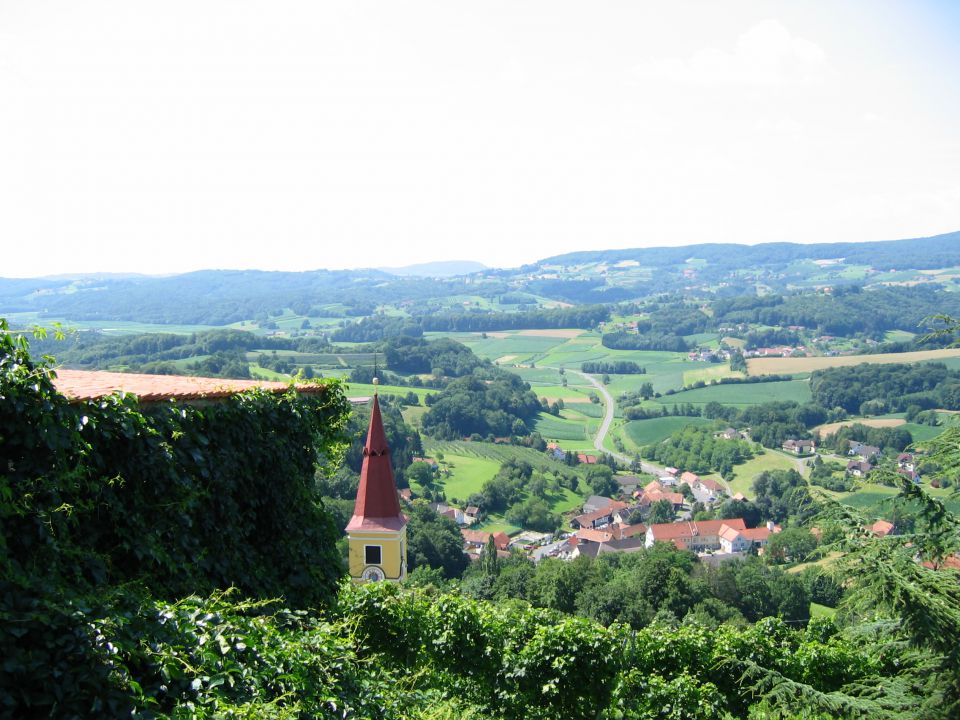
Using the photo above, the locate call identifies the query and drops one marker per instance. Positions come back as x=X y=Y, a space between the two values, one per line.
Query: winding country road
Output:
x=607 y=417
x=646 y=467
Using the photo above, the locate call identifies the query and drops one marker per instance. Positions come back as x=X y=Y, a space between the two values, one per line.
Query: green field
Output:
x=922 y=433
x=108 y=327
x=742 y=394
x=586 y=409
x=365 y=390
x=471 y=464
x=499 y=453
x=654 y=430
x=468 y=473
x=712 y=371
x=554 y=428
x=744 y=474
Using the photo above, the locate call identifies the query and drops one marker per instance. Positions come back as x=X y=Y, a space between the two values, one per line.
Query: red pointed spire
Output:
x=377 y=506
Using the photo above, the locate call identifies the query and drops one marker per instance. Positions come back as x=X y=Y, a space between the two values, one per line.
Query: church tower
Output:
x=377 y=532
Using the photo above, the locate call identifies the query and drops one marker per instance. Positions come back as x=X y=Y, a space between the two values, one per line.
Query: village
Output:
x=619 y=524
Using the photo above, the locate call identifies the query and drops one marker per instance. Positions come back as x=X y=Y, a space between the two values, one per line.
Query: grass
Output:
x=472 y=464
x=821 y=611
x=590 y=410
x=495 y=524
x=108 y=327
x=792 y=366
x=468 y=473
x=553 y=428
x=744 y=474
x=654 y=430
x=713 y=371
x=412 y=415
x=499 y=453
x=742 y=395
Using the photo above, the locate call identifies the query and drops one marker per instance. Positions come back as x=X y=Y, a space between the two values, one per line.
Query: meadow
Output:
x=654 y=430
x=745 y=473
x=471 y=464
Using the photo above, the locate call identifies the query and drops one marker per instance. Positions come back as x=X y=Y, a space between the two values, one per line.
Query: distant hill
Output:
x=915 y=253
x=448 y=268
x=707 y=271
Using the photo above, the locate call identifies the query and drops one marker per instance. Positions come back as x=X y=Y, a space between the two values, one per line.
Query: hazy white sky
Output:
x=172 y=136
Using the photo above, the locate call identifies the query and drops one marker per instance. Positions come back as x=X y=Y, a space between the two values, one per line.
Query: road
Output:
x=610 y=409
x=610 y=406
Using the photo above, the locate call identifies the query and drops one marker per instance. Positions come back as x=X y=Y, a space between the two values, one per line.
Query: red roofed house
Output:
x=712 y=486
x=734 y=541
x=377 y=532
x=475 y=540
x=697 y=536
x=598 y=518
x=675 y=499
x=690 y=478
x=881 y=528
x=587 y=459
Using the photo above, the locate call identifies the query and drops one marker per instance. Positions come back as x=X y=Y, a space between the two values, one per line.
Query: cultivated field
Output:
x=831 y=428
x=742 y=394
x=654 y=430
x=792 y=366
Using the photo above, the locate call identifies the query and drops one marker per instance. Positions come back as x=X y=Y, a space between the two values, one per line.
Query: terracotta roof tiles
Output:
x=80 y=385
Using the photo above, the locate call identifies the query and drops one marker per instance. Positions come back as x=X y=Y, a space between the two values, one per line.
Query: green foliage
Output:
x=196 y=658
x=614 y=367
x=696 y=449
x=443 y=357
x=434 y=541
x=890 y=388
x=783 y=494
x=187 y=498
x=487 y=402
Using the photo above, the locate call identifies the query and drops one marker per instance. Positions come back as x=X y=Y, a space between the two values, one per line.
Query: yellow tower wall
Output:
x=393 y=551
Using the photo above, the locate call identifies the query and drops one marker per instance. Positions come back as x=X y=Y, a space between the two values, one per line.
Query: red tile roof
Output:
x=599 y=536
x=881 y=528
x=475 y=537
x=92 y=384
x=675 y=531
x=712 y=485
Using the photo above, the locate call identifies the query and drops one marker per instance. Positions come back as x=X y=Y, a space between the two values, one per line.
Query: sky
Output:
x=174 y=136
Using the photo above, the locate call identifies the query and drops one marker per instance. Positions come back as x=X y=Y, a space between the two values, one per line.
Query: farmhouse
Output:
x=864 y=452
x=698 y=536
x=858 y=468
x=677 y=500
x=600 y=517
x=799 y=447
x=474 y=541
x=712 y=486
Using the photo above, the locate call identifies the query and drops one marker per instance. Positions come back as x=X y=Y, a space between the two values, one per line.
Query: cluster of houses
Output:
x=715 y=540
x=865 y=456
x=713 y=355
x=781 y=351
x=558 y=453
